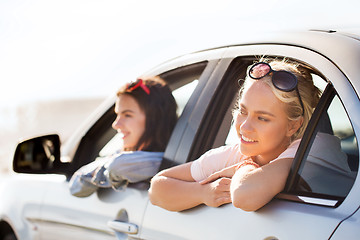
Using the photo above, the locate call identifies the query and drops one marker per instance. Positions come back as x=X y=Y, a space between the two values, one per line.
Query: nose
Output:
x=116 y=124
x=246 y=125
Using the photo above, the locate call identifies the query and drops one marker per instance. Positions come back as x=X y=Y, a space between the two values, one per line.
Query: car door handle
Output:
x=123 y=227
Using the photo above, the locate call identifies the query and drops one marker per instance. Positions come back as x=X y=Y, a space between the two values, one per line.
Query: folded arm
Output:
x=251 y=188
x=175 y=190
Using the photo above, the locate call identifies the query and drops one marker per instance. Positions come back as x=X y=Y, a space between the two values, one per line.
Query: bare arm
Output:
x=251 y=188
x=175 y=190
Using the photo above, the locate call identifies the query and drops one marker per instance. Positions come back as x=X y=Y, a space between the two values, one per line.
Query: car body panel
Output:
x=349 y=228
x=22 y=210
x=91 y=214
x=228 y=222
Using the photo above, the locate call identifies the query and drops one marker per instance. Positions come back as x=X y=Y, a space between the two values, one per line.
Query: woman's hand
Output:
x=217 y=187
x=217 y=193
x=175 y=190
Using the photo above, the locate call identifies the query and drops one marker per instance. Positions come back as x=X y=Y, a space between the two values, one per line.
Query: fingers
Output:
x=222 y=184
x=218 y=192
x=221 y=200
x=210 y=178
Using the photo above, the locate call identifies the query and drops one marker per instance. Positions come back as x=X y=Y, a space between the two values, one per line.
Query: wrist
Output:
x=204 y=193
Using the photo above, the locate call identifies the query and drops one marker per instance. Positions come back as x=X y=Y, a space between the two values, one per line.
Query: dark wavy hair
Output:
x=160 y=109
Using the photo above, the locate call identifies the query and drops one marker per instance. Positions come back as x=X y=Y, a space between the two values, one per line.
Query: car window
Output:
x=329 y=178
x=217 y=119
x=102 y=140
x=181 y=95
x=331 y=165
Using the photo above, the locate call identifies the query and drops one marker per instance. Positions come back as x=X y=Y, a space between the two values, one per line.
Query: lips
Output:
x=247 y=140
x=123 y=134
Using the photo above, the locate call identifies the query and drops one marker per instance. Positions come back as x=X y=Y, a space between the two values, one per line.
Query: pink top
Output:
x=325 y=151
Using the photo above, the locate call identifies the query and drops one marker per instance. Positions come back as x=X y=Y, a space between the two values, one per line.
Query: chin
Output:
x=128 y=147
x=247 y=151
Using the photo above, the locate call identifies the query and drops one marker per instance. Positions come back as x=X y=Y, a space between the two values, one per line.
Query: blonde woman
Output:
x=275 y=104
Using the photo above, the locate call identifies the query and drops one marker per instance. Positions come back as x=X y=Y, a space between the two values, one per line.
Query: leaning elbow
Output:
x=157 y=201
x=158 y=194
x=244 y=202
x=245 y=207
x=154 y=193
x=152 y=197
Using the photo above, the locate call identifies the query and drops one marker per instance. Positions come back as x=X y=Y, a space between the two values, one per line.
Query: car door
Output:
x=292 y=214
x=110 y=214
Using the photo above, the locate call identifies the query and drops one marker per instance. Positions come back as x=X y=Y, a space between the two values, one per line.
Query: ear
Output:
x=293 y=126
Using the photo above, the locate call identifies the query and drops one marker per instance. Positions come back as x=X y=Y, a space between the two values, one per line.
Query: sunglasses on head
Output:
x=138 y=83
x=282 y=80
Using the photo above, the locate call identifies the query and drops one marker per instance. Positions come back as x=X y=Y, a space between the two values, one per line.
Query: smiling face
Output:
x=262 y=124
x=130 y=121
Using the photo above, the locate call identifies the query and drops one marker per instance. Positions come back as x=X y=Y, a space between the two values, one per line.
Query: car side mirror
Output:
x=38 y=155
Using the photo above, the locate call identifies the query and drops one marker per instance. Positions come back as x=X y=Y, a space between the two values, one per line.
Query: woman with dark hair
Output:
x=155 y=100
x=146 y=116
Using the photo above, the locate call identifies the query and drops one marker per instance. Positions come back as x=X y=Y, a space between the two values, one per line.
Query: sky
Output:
x=85 y=48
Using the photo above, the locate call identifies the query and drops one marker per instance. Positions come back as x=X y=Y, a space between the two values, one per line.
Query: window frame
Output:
x=335 y=73
x=215 y=117
x=290 y=192
x=308 y=138
x=327 y=96
x=101 y=132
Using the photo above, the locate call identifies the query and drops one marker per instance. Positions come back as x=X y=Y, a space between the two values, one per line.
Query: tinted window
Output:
x=331 y=165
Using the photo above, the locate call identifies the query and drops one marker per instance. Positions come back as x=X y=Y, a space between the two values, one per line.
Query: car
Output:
x=36 y=202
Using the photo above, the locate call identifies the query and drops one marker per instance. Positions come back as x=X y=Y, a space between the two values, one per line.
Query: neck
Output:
x=266 y=158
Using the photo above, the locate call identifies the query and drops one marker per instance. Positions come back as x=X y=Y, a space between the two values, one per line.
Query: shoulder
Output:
x=290 y=151
x=215 y=160
x=221 y=153
x=223 y=150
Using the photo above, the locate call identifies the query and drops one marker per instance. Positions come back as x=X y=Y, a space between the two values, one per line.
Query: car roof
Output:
x=341 y=47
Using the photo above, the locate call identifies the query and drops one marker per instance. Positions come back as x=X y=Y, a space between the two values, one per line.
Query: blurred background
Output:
x=60 y=59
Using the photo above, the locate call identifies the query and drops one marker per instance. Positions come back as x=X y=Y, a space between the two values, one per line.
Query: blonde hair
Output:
x=309 y=93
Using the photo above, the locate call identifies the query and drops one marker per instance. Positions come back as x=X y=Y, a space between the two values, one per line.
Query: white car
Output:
x=36 y=202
